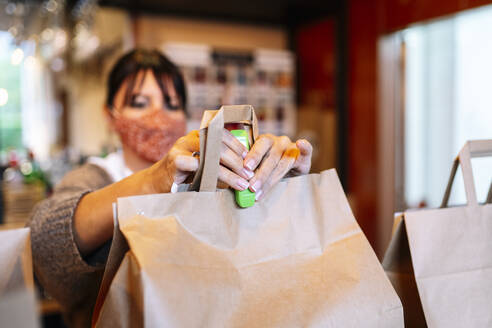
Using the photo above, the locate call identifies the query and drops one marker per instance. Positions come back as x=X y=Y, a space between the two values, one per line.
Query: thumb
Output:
x=185 y=165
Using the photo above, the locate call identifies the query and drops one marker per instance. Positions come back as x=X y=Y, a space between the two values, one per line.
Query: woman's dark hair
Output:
x=137 y=60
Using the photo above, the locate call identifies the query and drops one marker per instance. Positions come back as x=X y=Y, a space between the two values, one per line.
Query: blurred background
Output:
x=387 y=91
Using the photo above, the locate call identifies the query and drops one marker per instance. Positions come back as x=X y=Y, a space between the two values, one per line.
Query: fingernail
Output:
x=248 y=173
x=256 y=186
x=242 y=184
x=245 y=154
x=250 y=164
x=258 y=194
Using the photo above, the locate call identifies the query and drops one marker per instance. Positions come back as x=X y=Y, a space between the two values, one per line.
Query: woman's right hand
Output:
x=179 y=163
x=93 y=219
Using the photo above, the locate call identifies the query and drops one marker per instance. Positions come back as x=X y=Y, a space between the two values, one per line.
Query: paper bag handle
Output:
x=475 y=148
x=211 y=129
x=489 y=196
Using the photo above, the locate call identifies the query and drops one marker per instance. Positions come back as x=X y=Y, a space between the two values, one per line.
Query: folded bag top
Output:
x=211 y=129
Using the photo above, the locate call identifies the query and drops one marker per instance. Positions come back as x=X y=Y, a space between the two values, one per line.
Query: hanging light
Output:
x=51 y=6
x=47 y=34
x=10 y=8
x=60 y=39
x=19 y=9
x=4 y=97
x=17 y=56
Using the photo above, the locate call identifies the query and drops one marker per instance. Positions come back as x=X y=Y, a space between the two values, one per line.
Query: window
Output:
x=10 y=104
x=30 y=116
x=447 y=101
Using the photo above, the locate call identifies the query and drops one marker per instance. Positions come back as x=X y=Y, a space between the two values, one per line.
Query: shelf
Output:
x=49 y=307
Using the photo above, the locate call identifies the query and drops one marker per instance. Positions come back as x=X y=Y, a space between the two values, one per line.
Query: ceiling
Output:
x=274 y=12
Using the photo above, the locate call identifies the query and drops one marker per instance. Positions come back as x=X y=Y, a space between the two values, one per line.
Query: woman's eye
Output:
x=170 y=104
x=139 y=101
x=173 y=107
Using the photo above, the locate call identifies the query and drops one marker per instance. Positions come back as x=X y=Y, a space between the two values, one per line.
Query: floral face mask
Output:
x=151 y=136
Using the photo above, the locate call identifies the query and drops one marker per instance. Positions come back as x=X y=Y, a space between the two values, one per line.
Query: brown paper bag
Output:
x=17 y=300
x=440 y=260
x=195 y=259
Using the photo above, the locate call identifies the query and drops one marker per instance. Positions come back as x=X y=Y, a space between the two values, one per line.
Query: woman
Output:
x=72 y=230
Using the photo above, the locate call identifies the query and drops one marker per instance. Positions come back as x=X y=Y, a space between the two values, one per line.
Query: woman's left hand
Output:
x=272 y=158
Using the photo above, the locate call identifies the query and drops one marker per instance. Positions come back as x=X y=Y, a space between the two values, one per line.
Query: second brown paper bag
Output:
x=440 y=260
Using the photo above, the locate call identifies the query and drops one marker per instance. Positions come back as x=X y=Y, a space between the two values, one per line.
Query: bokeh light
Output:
x=17 y=56
x=4 y=97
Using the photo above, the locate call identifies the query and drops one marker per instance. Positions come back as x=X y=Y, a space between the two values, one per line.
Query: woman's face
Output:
x=146 y=97
x=147 y=121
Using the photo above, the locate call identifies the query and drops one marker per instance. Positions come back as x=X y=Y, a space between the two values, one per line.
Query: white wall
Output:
x=153 y=31
x=86 y=83
x=88 y=131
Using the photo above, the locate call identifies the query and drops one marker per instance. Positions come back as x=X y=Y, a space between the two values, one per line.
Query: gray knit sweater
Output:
x=58 y=265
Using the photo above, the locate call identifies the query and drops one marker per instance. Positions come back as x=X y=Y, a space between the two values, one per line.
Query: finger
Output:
x=231 y=179
x=230 y=141
x=185 y=164
x=305 y=147
x=258 y=151
x=280 y=171
x=303 y=163
x=284 y=165
x=269 y=163
x=234 y=162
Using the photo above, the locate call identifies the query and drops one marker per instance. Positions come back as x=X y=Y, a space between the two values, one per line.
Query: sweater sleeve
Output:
x=57 y=262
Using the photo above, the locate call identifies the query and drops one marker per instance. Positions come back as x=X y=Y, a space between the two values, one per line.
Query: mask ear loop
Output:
x=112 y=112
x=111 y=134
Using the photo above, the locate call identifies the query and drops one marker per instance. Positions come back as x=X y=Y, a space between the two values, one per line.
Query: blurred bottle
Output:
x=24 y=185
x=32 y=173
x=13 y=174
x=279 y=119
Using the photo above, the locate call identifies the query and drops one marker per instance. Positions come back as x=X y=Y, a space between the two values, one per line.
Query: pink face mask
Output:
x=152 y=135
